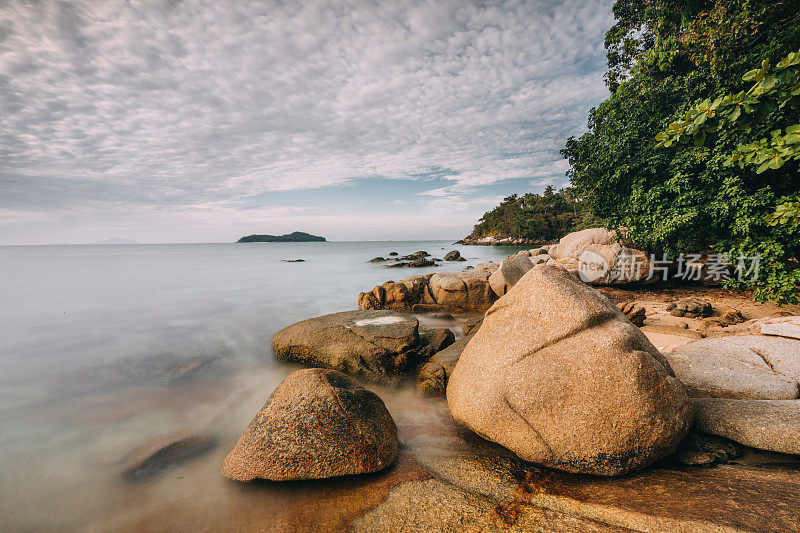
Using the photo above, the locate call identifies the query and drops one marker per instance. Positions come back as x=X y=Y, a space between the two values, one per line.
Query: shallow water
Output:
x=104 y=347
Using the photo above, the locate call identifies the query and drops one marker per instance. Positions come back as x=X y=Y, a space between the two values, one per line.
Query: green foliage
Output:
x=691 y=57
x=540 y=218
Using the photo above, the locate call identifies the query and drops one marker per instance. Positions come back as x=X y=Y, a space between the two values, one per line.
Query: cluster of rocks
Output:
x=416 y=260
x=554 y=372
x=468 y=290
x=492 y=240
x=478 y=288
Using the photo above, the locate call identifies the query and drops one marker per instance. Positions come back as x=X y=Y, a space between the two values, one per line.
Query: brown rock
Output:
x=373 y=344
x=690 y=307
x=317 y=424
x=434 y=340
x=471 y=325
x=462 y=290
x=635 y=313
x=433 y=376
x=559 y=376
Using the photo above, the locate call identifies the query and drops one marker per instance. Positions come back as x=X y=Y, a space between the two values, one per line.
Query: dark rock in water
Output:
x=376 y=260
x=317 y=424
x=436 y=259
x=690 y=307
x=434 y=340
x=164 y=452
x=373 y=344
x=471 y=325
x=443 y=316
x=529 y=381
x=421 y=253
x=421 y=262
x=397 y=265
x=294 y=260
x=392 y=253
x=455 y=255
x=433 y=376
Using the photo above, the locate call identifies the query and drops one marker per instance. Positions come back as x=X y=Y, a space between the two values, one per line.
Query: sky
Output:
x=202 y=121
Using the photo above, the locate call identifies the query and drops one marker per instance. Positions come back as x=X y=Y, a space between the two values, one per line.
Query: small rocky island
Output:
x=297 y=236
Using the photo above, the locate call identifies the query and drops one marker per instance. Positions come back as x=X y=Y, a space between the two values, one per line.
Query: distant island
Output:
x=115 y=240
x=297 y=236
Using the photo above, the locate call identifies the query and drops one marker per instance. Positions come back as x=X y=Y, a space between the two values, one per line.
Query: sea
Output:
x=105 y=348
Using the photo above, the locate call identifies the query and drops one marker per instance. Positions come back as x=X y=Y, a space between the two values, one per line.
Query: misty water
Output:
x=105 y=347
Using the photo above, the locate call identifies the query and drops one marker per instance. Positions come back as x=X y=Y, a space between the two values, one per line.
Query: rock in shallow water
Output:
x=559 y=376
x=373 y=344
x=317 y=424
x=165 y=451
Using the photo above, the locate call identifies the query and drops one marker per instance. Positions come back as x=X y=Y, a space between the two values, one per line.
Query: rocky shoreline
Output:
x=549 y=382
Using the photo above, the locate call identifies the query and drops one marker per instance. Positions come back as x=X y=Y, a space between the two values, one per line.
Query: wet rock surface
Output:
x=165 y=451
x=529 y=380
x=373 y=344
x=317 y=424
x=433 y=376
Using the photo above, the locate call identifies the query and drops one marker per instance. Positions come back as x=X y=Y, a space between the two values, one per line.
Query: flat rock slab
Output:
x=772 y=425
x=739 y=367
x=373 y=344
x=784 y=327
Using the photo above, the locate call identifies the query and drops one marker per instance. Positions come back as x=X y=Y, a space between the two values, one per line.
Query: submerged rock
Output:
x=373 y=344
x=559 y=376
x=317 y=424
x=165 y=451
x=772 y=425
x=739 y=367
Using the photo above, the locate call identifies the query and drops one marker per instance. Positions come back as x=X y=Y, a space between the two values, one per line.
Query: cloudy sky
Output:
x=201 y=121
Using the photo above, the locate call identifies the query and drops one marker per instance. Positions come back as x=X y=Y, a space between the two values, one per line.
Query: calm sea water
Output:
x=104 y=347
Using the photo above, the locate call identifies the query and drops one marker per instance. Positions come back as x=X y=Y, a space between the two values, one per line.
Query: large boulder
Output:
x=373 y=344
x=511 y=269
x=739 y=367
x=772 y=425
x=464 y=291
x=559 y=376
x=317 y=424
x=597 y=256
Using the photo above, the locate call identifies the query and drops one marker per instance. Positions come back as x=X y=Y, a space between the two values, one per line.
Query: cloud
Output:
x=190 y=104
